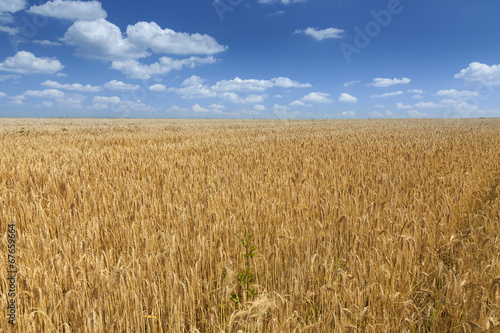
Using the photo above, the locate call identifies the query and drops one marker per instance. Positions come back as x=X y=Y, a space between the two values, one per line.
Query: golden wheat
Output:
x=136 y=225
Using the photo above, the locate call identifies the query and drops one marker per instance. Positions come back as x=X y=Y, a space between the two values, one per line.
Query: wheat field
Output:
x=252 y=225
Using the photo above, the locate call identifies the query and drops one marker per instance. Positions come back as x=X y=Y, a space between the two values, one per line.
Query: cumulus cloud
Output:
x=378 y=114
x=198 y=109
x=12 y=6
x=456 y=93
x=320 y=34
x=152 y=36
x=417 y=114
x=389 y=94
x=347 y=114
x=351 y=83
x=70 y=10
x=106 y=100
x=402 y=106
x=9 y=77
x=157 y=87
x=47 y=93
x=346 y=98
x=235 y=98
x=317 y=97
x=415 y=91
x=101 y=39
x=119 y=85
x=385 y=82
x=427 y=105
x=46 y=42
x=479 y=73
x=74 y=86
x=193 y=80
x=9 y=30
x=297 y=103
x=136 y=70
x=250 y=85
x=26 y=63
x=2 y=94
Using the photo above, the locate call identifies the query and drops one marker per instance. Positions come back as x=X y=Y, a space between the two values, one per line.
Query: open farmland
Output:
x=259 y=226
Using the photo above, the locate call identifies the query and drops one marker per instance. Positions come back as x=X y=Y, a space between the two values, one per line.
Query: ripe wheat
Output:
x=137 y=225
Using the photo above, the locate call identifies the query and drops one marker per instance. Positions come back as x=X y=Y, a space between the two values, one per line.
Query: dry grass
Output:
x=370 y=226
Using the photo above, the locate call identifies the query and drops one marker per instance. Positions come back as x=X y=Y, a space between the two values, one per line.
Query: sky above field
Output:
x=276 y=59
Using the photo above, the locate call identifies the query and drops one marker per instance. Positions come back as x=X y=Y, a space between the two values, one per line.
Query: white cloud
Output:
x=378 y=114
x=238 y=84
x=417 y=96
x=284 y=82
x=297 y=103
x=2 y=94
x=47 y=104
x=106 y=100
x=456 y=93
x=194 y=91
x=193 y=80
x=254 y=85
x=70 y=10
x=216 y=106
x=415 y=91
x=198 y=109
x=402 y=106
x=119 y=85
x=351 y=83
x=390 y=94
x=346 y=98
x=151 y=35
x=277 y=13
x=9 y=30
x=480 y=74
x=26 y=63
x=73 y=101
x=347 y=114
x=46 y=42
x=175 y=108
x=427 y=105
x=157 y=87
x=281 y=108
x=385 y=82
x=284 y=2
x=17 y=100
x=101 y=39
x=235 y=98
x=259 y=107
x=74 y=86
x=9 y=77
x=12 y=6
x=136 y=70
x=320 y=34
x=47 y=93
x=317 y=97
x=416 y=114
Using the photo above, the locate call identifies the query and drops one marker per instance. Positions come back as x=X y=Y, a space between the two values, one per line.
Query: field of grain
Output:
x=252 y=226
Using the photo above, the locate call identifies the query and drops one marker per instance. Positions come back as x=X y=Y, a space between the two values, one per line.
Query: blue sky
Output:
x=250 y=58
